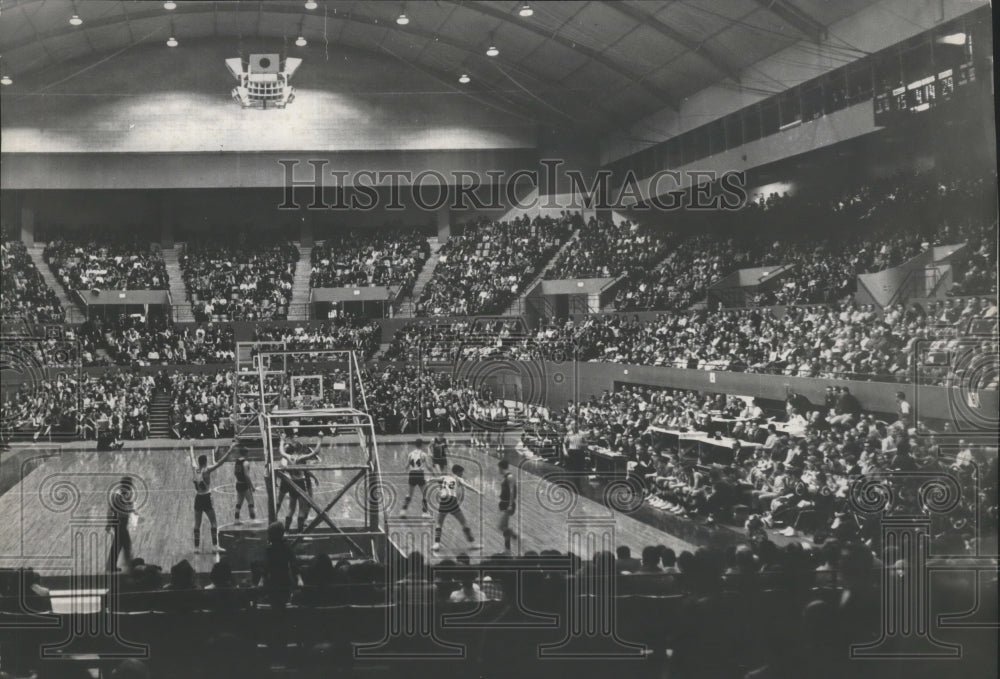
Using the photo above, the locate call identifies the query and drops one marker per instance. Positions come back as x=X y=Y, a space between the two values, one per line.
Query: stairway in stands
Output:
x=516 y=307
x=178 y=294
x=298 y=305
x=159 y=415
x=408 y=303
x=74 y=312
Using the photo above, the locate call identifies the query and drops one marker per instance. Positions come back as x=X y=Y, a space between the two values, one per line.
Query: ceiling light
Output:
x=301 y=41
x=526 y=10
x=464 y=78
x=171 y=41
x=169 y=6
x=402 y=20
x=6 y=80
x=311 y=5
x=75 y=20
x=492 y=51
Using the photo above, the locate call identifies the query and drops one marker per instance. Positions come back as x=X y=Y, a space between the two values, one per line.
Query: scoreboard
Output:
x=923 y=94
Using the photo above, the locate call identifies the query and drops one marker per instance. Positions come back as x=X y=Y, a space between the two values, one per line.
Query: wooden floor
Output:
x=52 y=519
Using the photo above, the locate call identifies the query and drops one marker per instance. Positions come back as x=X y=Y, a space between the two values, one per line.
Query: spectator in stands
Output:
x=625 y=562
x=106 y=259
x=356 y=334
x=182 y=576
x=388 y=257
x=143 y=340
x=280 y=567
x=25 y=295
x=485 y=267
x=242 y=277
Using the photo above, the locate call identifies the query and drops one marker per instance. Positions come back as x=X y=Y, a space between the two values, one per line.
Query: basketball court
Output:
x=54 y=515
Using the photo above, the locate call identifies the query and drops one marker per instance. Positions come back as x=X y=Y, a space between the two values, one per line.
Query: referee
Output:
x=121 y=506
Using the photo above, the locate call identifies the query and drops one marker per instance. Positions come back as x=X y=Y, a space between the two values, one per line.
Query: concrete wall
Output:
x=570 y=381
x=184 y=211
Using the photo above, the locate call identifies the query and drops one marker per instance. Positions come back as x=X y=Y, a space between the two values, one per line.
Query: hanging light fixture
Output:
x=492 y=51
x=75 y=20
x=172 y=41
x=402 y=20
x=169 y=6
x=311 y=5
x=6 y=80
x=301 y=41
x=464 y=78
x=526 y=10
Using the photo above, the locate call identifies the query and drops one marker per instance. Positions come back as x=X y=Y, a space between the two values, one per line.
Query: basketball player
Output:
x=508 y=503
x=499 y=414
x=121 y=506
x=244 y=487
x=476 y=421
x=439 y=454
x=450 y=494
x=416 y=463
x=303 y=481
x=287 y=449
x=203 y=495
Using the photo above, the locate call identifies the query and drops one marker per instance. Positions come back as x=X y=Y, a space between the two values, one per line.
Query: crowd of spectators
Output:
x=116 y=401
x=201 y=403
x=485 y=267
x=143 y=340
x=366 y=257
x=401 y=398
x=449 y=341
x=358 y=335
x=105 y=258
x=796 y=470
x=25 y=295
x=245 y=277
x=865 y=229
x=979 y=276
x=604 y=249
x=947 y=340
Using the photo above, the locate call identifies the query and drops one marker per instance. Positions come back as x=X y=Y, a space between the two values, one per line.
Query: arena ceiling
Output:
x=590 y=64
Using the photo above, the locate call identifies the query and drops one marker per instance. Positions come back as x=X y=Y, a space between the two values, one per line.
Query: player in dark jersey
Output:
x=202 y=479
x=508 y=503
x=416 y=464
x=451 y=491
x=302 y=479
x=244 y=487
x=291 y=451
x=439 y=454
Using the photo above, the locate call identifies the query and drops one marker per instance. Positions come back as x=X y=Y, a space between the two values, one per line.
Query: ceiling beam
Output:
x=483 y=8
x=795 y=17
x=478 y=90
x=724 y=66
x=548 y=84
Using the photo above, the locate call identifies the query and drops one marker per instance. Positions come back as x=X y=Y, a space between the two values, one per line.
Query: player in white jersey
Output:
x=417 y=464
x=202 y=478
x=479 y=416
x=451 y=491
